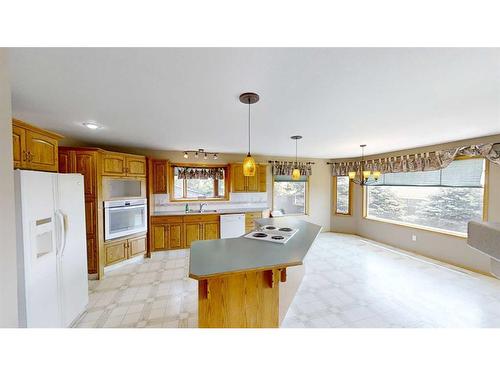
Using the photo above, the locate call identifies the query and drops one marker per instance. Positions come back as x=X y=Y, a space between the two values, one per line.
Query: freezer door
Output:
x=72 y=246
x=36 y=245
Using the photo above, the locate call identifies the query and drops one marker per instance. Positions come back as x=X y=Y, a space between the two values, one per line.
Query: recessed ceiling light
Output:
x=91 y=125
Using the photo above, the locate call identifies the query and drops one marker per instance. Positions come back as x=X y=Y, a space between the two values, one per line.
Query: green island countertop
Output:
x=232 y=255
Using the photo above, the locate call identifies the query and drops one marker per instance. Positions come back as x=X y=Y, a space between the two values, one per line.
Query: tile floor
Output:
x=350 y=282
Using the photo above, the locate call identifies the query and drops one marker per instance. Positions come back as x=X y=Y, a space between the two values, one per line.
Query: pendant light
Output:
x=364 y=172
x=296 y=170
x=249 y=162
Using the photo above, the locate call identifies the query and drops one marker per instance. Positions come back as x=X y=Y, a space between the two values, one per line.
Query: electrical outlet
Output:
x=413 y=237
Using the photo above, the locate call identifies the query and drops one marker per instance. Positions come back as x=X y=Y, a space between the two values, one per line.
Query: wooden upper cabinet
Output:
x=113 y=164
x=159 y=176
x=34 y=148
x=238 y=184
x=241 y=183
x=136 y=166
x=85 y=163
x=18 y=146
x=117 y=164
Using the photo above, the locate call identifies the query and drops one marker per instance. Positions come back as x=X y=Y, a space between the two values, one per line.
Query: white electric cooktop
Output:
x=272 y=233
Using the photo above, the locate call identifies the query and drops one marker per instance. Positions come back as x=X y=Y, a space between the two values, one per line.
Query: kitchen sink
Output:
x=201 y=212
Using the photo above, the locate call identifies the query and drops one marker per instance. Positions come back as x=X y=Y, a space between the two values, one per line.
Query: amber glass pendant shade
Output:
x=296 y=174
x=249 y=166
x=352 y=175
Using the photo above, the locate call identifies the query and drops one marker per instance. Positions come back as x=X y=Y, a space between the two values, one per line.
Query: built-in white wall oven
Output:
x=125 y=217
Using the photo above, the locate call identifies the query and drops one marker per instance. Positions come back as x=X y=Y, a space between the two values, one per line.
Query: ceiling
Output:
x=187 y=98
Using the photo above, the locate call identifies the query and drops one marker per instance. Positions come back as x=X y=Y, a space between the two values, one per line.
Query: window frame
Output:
x=306 y=198
x=171 y=182
x=432 y=229
x=351 y=192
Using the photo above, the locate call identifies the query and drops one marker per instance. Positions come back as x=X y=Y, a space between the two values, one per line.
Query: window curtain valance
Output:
x=285 y=168
x=190 y=173
x=428 y=161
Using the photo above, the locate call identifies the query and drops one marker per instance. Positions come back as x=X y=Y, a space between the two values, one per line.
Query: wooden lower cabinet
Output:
x=115 y=251
x=136 y=246
x=119 y=250
x=192 y=232
x=250 y=218
x=178 y=232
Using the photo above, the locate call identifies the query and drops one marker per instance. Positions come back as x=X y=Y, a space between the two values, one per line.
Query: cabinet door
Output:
x=159 y=177
x=65 y=161
x=42 y=152
x=192 y=232
x=113 y=164
x=160 y=236
x=85 y=164
x=253 y=182
x=115 y=252
x=136 y=166
x=238 y=179
x=211 y=231
x=19 y=146
x=91 y=255
x=262 y=171
x=175 y=236
x=136 y=246
x=90 y=216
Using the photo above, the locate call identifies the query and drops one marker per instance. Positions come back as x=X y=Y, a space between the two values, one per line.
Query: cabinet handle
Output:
x=24 y=155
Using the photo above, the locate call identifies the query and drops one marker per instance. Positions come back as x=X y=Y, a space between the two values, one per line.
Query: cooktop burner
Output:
x=272 y=233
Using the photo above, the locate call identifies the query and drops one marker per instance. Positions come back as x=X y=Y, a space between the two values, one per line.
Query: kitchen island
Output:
x=247 y=283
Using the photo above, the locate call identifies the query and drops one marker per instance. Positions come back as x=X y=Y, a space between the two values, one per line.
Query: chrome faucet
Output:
x=201 y=206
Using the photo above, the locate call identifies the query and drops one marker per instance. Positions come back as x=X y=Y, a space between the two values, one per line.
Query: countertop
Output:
x=221 y=212
x=218 y=257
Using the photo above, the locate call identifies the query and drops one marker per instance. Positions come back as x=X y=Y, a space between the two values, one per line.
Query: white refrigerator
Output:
x=52 y=248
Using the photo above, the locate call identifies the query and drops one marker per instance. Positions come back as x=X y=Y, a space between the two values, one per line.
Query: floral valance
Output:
x=429 y=161
x=285 y=168
x=190 y=173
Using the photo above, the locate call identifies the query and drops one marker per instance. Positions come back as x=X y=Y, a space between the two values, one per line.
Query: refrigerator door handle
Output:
x=62 y=228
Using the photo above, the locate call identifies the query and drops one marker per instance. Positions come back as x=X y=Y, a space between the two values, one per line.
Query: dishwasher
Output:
x=232 y=225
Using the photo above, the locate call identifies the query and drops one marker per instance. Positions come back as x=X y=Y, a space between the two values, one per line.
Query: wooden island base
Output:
x=253 y=299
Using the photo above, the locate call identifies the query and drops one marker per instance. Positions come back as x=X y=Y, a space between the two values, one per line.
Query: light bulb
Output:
x=296 y=174
x=206 y=156
x=196 y=155
x=215 y=156
x=249 y=166
x=352 y=175
x=186 y=155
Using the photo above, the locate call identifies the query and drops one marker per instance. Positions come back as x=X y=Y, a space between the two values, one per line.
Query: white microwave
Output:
x=125 y=217
x=123 y=188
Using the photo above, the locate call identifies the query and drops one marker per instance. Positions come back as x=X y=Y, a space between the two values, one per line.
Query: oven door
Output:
x=124 y=220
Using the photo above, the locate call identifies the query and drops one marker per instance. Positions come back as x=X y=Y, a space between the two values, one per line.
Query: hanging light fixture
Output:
x=249 y=162
x=364 y=172
x=296 y=170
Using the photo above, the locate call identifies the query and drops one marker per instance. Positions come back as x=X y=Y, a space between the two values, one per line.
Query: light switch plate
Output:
x=413 y=237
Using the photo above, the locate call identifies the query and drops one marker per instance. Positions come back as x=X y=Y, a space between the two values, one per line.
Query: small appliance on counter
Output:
x=272 y=233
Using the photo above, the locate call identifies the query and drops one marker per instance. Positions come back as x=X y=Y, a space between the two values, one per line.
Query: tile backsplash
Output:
x=236 y=200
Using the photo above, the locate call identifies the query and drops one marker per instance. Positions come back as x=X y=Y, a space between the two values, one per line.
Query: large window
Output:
x=444 y=200
x=198 y=183
x=289 y=196
x=342 y=195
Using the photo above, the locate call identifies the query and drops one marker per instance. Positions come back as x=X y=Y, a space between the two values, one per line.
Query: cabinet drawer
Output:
x=166 y=219
x=115 y=252
x=201 y=218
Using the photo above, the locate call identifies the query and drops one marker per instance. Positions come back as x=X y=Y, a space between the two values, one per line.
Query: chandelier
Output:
x=361 y=174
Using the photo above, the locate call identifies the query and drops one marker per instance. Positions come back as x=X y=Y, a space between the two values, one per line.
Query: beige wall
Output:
x=8 y=263
x=319 y=182
x=444 y=247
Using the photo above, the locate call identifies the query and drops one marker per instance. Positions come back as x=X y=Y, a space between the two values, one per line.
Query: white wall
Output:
x=8 y=264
